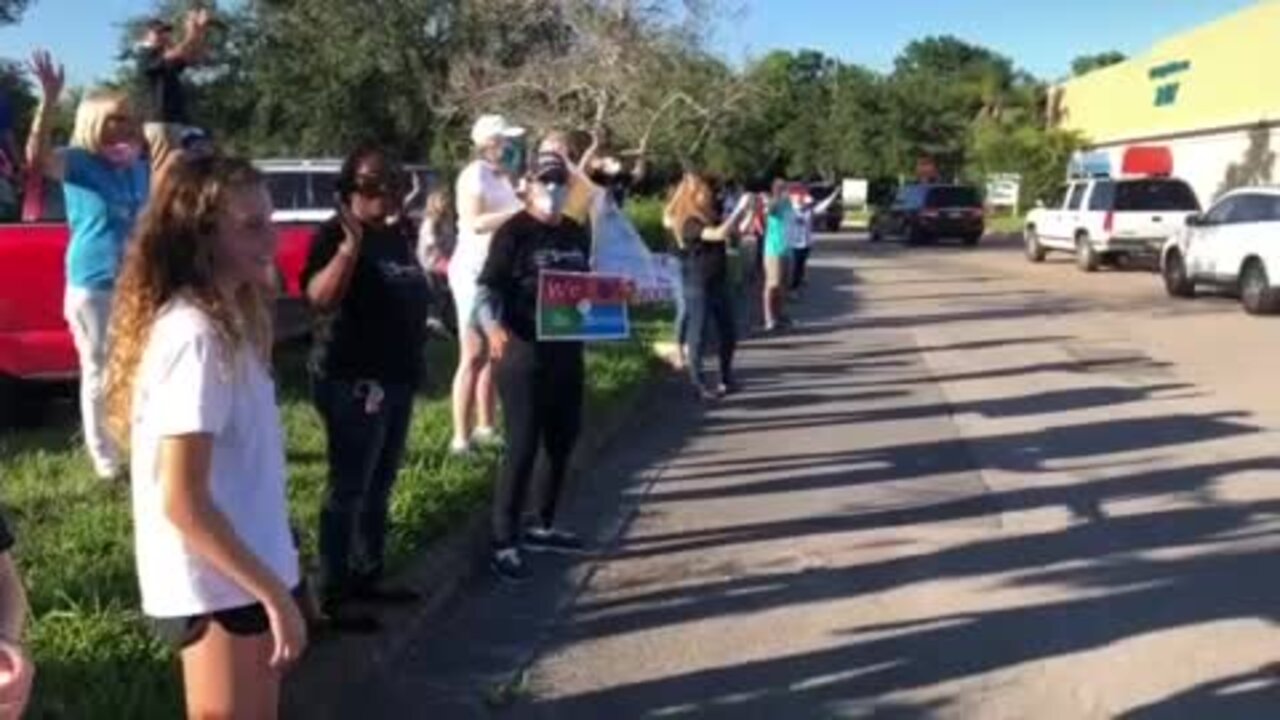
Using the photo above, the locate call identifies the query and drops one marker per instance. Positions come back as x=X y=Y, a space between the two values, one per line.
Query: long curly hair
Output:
x=172 y=255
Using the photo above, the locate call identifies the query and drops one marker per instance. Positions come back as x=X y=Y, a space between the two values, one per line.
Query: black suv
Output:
x=925 y=213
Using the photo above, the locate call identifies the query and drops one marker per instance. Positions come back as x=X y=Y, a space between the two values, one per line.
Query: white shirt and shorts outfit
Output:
x=188 y=383
x=482 y=179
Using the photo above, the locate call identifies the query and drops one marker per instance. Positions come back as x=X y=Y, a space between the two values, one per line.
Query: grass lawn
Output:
x=1005 y=224
x=95 y=657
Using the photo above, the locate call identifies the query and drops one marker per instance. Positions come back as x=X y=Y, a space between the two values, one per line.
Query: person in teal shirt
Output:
x=777 y=247
x=105 y=183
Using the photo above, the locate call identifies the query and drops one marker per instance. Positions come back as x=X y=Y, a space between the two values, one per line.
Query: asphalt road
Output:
x=965 y=487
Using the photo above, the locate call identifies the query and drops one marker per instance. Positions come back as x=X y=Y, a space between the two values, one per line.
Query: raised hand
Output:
x=352 y=228
x=49 y=74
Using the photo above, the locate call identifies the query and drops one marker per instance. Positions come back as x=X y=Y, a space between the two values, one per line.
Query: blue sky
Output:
x=1040 y=36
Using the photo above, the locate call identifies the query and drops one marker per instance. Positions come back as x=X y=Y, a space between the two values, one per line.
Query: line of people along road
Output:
x=171 y=275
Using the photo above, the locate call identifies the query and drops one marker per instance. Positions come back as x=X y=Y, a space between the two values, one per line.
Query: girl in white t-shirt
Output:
x=486 y=200
x=189 y=390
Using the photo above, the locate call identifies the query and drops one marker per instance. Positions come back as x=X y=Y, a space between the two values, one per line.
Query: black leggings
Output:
x=541 y=386
x=797 y=272
x=709 y=305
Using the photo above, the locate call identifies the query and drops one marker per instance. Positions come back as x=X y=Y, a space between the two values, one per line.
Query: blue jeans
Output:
x=366 y=441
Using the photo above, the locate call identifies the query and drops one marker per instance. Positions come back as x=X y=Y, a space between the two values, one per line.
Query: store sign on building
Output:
x=1168 y=78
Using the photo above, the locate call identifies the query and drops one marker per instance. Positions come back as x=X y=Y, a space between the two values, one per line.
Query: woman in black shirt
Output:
x=363 y=279
x=540 y=382
x=705 y=265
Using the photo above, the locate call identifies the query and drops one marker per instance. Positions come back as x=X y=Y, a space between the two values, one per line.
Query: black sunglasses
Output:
x=378 y=185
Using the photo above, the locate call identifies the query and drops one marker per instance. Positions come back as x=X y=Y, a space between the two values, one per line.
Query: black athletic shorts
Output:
x=183 y=632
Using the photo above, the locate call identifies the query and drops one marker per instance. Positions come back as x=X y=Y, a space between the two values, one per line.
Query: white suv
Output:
x=1235 y=245
x=1105 y=219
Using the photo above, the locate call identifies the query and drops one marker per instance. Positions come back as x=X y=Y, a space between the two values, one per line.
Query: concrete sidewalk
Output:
x=944 y=496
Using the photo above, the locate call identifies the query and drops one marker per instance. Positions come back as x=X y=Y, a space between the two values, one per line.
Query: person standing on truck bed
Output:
x=105 y=182
x=161 y=62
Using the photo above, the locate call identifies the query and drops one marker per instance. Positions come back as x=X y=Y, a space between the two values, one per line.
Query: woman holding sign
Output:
x=540 y=381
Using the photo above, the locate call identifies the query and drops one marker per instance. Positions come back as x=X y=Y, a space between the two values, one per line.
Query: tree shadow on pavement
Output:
x=1249 y=695
x=1145 y=551
x=1127 y=591
x=1028 y=452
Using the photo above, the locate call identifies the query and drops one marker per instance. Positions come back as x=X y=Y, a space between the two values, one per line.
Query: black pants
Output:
x=709 y=301
x=541 y=386
x=801 y=256
x=366 y=441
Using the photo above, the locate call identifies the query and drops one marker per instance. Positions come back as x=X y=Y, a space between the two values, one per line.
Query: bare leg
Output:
x=229 y=677
x=486 y=396
x=470 y=358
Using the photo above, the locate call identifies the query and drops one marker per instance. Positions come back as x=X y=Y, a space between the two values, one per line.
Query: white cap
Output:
x=489 y=127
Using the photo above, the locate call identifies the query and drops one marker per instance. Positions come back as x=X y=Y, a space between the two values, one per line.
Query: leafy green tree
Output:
x=11 y=10
x=1088 y=63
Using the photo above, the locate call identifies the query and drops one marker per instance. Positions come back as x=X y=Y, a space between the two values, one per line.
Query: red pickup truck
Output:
x=35 y=342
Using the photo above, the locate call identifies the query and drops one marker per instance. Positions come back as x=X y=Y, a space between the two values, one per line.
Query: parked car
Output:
x=833 y=218
x=1235 y=246
x=1104 y=220
x=927 y=212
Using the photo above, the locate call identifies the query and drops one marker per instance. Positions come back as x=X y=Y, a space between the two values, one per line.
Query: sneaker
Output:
x=486 y=437
x=113 y=475
x=507 y=564
x=546 y=539
x=460 y=447
x=706 y=394
x=728 y=388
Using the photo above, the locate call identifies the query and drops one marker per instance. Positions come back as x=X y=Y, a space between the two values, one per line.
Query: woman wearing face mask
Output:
x=541 y=382
x=370 y=293
x=105 y=183
x=486 y=199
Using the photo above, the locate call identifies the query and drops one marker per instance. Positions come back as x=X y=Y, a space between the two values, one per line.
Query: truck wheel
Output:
x=1031 y=240
x=1176 y=281
x=15 y=402
x=1086 y=256
x=1256 y=293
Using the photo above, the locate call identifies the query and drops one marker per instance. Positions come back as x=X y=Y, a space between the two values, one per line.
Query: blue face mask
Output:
x=513 y=158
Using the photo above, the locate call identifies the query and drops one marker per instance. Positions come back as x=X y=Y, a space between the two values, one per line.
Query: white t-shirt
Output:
x=482 y=179
x=188 y=384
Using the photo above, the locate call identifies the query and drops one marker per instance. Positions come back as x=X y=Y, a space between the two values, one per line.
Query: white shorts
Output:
x=463 y=286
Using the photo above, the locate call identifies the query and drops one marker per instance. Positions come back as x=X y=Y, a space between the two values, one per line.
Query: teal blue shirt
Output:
x=103 y=202
x=775 y=233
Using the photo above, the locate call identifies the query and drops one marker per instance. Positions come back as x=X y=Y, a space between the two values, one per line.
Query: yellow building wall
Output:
x=1226 y=73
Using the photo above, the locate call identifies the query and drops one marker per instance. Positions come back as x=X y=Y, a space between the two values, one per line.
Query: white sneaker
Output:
x=459 y=447
x=486 y=437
